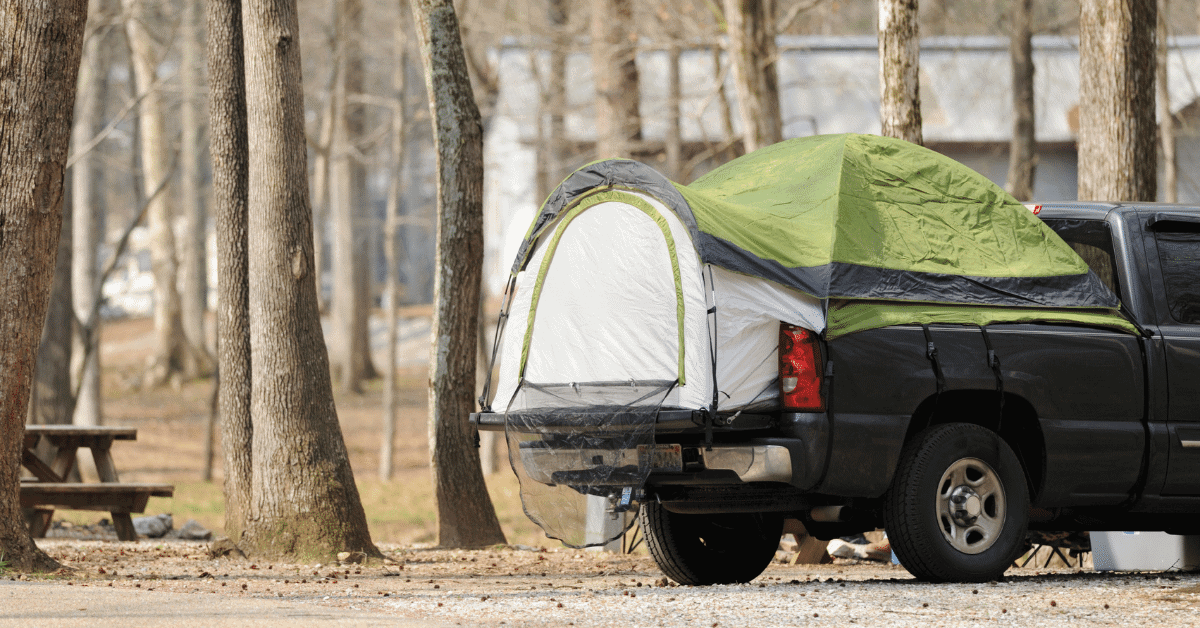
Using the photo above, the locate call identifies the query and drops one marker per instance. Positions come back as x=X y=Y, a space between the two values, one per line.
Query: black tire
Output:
x=710 y=549
x=958 y=506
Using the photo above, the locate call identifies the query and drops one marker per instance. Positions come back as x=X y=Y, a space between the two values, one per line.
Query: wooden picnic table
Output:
x=51 y=486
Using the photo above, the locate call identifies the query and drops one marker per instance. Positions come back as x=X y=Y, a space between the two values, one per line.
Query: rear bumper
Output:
x=750 y=463
x=791 y=448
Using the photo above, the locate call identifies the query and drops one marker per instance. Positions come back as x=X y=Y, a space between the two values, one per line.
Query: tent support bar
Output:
x=501 y=323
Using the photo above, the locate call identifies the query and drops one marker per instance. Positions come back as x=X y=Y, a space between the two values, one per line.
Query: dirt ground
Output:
x=531 y=581
x=511 y=586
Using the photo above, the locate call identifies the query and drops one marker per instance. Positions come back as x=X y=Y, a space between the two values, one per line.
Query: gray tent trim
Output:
x=885 y=284
x=611 y=174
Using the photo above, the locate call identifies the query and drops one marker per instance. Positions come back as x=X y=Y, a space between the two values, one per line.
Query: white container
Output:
x=1144 y=551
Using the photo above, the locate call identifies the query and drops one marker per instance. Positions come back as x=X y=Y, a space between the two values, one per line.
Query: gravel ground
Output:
x=507 y=586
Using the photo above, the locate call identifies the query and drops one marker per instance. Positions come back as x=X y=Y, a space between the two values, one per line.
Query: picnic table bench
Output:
x=51 y=487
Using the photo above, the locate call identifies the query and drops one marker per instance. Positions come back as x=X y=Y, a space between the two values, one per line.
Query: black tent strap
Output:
x=931 y=354
x=994 y=362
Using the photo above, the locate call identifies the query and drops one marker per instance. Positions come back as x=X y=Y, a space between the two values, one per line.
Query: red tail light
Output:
x=799 y=369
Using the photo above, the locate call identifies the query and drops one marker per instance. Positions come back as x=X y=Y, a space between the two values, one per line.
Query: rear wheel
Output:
x=957 y=509
x=710 y=549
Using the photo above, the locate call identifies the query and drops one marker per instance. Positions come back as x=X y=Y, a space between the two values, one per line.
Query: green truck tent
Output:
x=837 y=233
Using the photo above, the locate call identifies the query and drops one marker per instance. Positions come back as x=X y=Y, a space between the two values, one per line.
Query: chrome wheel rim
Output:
x=971 y=506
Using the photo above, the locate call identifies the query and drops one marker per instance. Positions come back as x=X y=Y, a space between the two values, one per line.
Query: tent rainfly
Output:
x=625 y=276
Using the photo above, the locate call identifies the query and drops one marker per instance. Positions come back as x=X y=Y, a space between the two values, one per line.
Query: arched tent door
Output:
x=613 y=293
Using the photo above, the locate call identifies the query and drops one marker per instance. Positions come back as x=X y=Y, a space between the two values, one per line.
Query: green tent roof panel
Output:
x=861 y=218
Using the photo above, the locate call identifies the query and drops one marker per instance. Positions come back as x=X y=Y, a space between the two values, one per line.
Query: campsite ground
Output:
x=507 y=586
x=530 y=582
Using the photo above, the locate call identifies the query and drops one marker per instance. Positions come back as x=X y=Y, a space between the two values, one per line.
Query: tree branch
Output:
x=123 y=243
x=793 y=13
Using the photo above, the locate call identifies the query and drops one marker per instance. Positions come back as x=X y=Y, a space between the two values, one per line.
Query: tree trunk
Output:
x=194 y=281
x=40 y=48
x=321 y=192
x=674 y=139
x=551 y=118
x=310 y=509
x=736 y=148
x=390 y=235
x=52 y=401
x=1166 y=120
x=230 y=172
x=615 y=74
x=1117 y=157
x=349 y=203
x=169 y=342
x=752 y=50
x=1022 y=160
x=899 y=77
x=466 y=517
x=560 y=15
x=88 y=207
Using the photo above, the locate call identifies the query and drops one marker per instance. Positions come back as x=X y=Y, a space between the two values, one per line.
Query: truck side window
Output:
x=1179 y=259
x=1092 y=240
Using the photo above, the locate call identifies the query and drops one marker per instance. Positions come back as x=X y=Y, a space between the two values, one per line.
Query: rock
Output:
x=351 y=557
x=193 y=531
x=223 y=547
x=154 y=526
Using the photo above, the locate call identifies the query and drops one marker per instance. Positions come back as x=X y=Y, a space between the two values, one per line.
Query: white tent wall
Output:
x=607 y=310
x=748 y=313
x=607 y=313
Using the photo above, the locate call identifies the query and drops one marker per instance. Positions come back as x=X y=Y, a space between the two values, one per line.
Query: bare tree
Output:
x=552 y=149
x=615 y=74
x=466 y=517
x=348 y=203
x=674 y=135
x=88 y=206
x=39 y=61
x=1022 y=157
x=1166 y=120
x=193 y=284
x=754 y=56
x=230 y=156
x=170 y=345
x=320 y=186
x=309 y=509
x=899 y=76
x=390 y=234
x=1117 y=156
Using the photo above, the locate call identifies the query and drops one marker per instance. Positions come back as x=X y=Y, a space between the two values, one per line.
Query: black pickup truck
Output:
x=959 y=439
